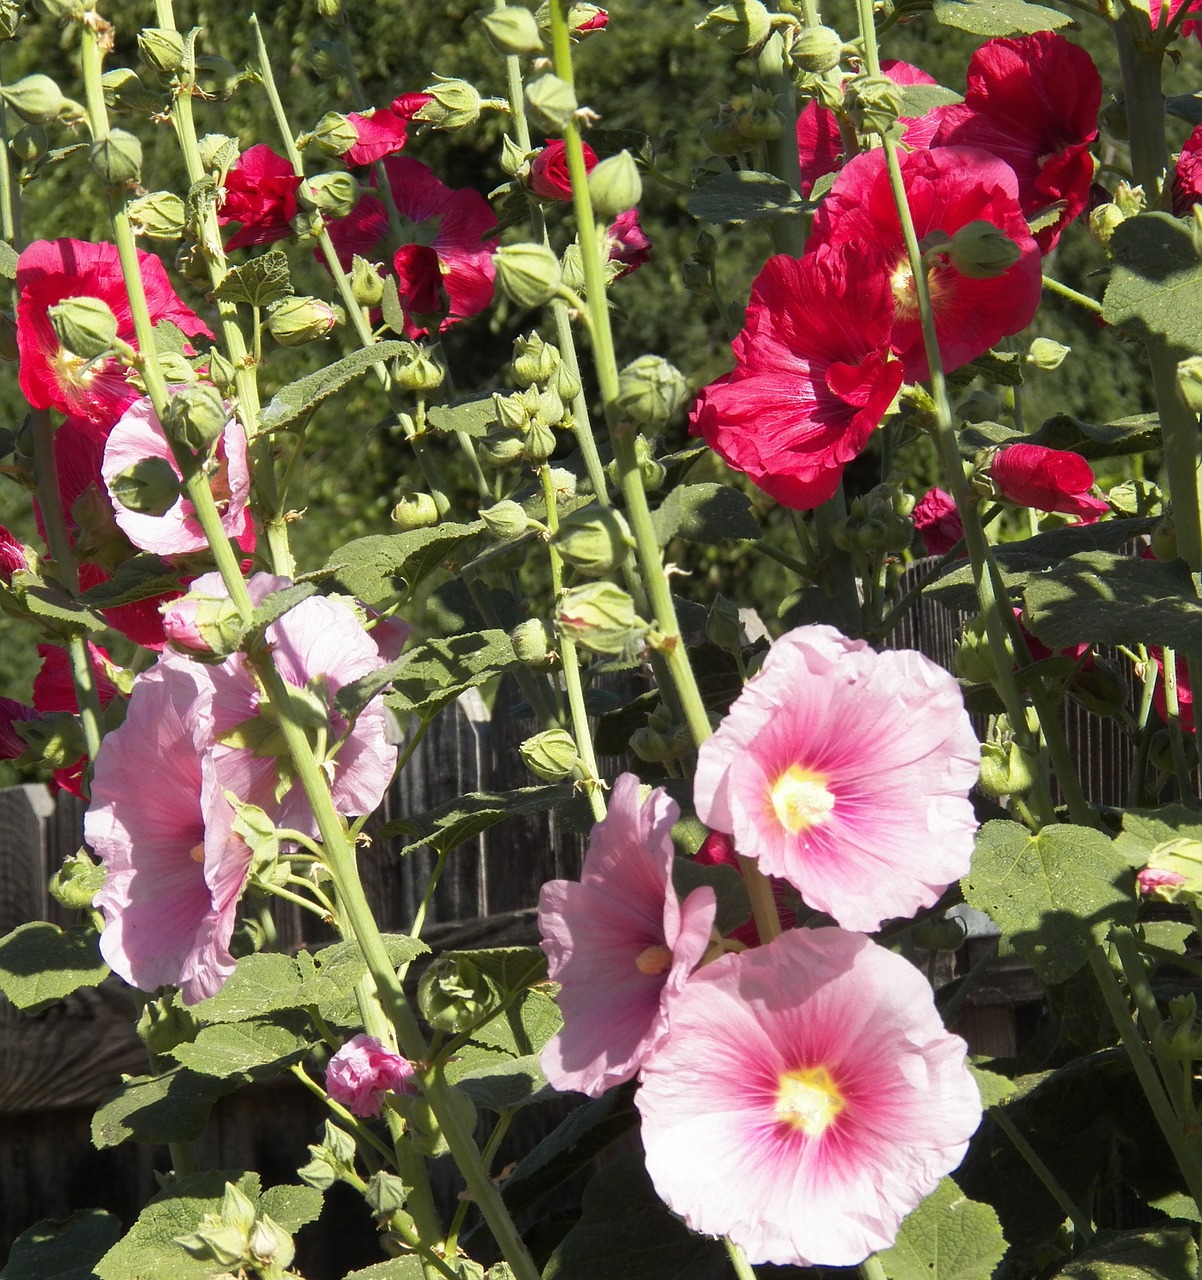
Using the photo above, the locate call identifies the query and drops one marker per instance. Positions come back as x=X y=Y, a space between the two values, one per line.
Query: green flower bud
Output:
x=944 y=934
x=333 y=135
x=196 y=416
x=1164 y=540
x=513 y=157
x=333 y=194
x=29 y=144
x=161 y=215
x=506 y=520
x=298 y=320
x=270 y=1246
x=117 y=158
x=225 y=1245
x=216 y=77
x=77 y=881
x=723 y=626
x=36 y=99
x=1179 y=1036
x=974 y=659
x=454 y=104
x=417 y=370
x=742 y=26
x=550 y=755
x=85 y=326
x=1047 y=354
x=62 y=10
x=817 y=49
x=549 y=410
x=530 y=643
x=756 y=117
x=539 y=444
x=513 y=30
x=551 y=101
x=149 y=487
x=513 y=413
x=615 y=186
x=564 y=484
x=124 y=91
x=367 y=284
x=325 y=57
x=652 y=471
x=534 y=361
x=415 y=511
x=662 y=738
x=1006 y=770
x=218 y=152
x=600 y=617
x=1099 y=688
x=329 y=9
x=1189 y=382
x=1102 y=222
x=874 y=103
x=221 y=372
x=564 y=383
x=452 y=993
x=162 y=49
x=501 y=448
x=982 y=251
x=528 y=273
x=56 y=740
x=1130 y=200
x=650 y=390
x=176 y=368
x=594 y=540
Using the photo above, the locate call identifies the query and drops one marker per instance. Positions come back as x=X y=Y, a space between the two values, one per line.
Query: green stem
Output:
x=10 y=209
x=788 y=234
x=352 y=1122
x=1081 y=299
x=872 y=1269
x=1080 y=1221
x=1140 y=64
x=738 y=1260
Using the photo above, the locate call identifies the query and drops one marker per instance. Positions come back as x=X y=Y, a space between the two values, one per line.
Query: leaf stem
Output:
x=1068 y=1206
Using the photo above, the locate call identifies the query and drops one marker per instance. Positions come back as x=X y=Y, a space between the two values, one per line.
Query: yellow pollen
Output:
x=801 y=799
x=905 y=296
x=808 y=1100
x=197 y=852
x=655 y=959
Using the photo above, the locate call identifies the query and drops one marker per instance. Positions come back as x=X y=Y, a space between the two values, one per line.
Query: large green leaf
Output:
x=1054 y=895
x=499 y=1082
x=40 y=962
x=1155 y=288
x=1168 y=1253
x=299 y=399
x=1143 y=830
x=259 y=282
x=472 y=417
x=62 y=1250
x=393 y=1269
x=260 y=1047
x=172 y=1107
x=138 y=578
x=998 y=17
x=290 y=1205
x=948 y=1237
x=263 y=983
x=705 y=513
x=524 y=1027
x=454 y=823
x=437 y=672
x=745 y=196
x=384 y=565
x=1092 y=440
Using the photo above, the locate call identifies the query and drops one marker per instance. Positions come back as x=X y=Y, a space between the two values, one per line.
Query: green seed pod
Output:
x=117 y=158
x=550 y=755
x=333 y=194
x=1047 y=354
x=298 y=320
x=162 y=49
x=528 y=273
x=531 y=644
x=564 y=383
x=150 y=487
x=551 y=101
x=85 y=326
x=974 y=659
x=983 y=251
x=36 y=99
x=817 y=50
x=216 y=77
x=615 y=186
x=600 y=617
x=1006 y=770
x=29 y=144
x=367 y=284
x=270 y=1247
x=534 y=361
x=874 y=103
x=196 y=416
x=161 y=215
x=417 y=370
x=539 y=443
x=77 y=881
x=221 y=372
x=454 y=104
x=513 y=30
x=415 y=511
x=334 y=135
x=650 y=390
x=594 y=540
x=741 y=27
x=505 y=520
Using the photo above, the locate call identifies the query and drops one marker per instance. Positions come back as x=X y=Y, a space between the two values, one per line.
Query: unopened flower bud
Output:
x=564 y=383
x=614 y=185
x=203 y=626
x=150 y=487
x=946 y=933
x=36 y=99
x=415 y=511
x=549 y=410
x=528 y=273
x=600 y=617
x=586 y=20
x=454 y=104
x=513 y=413
x=221 y=372
x=1164 y=540
x=326 y=59
x=973 y=660
x=550 y=755
x=651 y=470
x=1103 y=221
x=85 y=326
x=333 y=135
x=217 y=151
x=874 y=103
x=77 y=881
x=501 y=448
x=983 y=251
x=551 y=101
x=1189 y=382
x=534 y=361
x=1130 y=199
x=1100 y=688
x=298 y=320
x=757 y=117
x=563 y=482
x=594 y=540
x=367 y=284
x=270 y=1246
x=124 y=91
x=1047 y=354
x=216 y=77
x=530 y=643
x=741 y=26
x=817 y=49
x=539 y=443
x=1006 y=770
x=513 y=30
x=29 y=144
x=196 y=416
x=1179 y=1036
x=417 y=370
x=162 y=48
x=161 y=215
x=333 y=194
x=505 y=520
x=117 y=158
x=650 y=390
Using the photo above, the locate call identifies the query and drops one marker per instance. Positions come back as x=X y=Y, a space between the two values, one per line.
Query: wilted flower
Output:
x=363 y=1071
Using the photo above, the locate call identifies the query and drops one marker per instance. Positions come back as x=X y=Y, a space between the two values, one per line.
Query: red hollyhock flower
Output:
x=814 y=376
x=12 y=713
x=1187 y=181
x=947 y=189
x=936 y=518
x=1185 y=697
x=51 y=377
x=260 y=193
x=596 y=20
x=718 y=850
x=1033 y=102
x=1031 y=475
x=53 y=687
x=446 y=268
x=628 y=243
x=1158 y=13
x=385 y=131
x=12 y=556
x=549 y=177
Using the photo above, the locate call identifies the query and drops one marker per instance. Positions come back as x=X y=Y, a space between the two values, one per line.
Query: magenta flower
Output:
x=1032 y=475
x=620 y=944
x=1187 y=175
x=384 y=131
x=12 y=556
x=259 y=193
x=846 y=772
x=363 y=1071
x=628 y=243
x=138 y=436
x=936 y=518
x=806 y=1100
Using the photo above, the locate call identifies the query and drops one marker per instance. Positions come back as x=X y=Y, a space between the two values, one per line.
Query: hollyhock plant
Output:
x=96 y=391
x=628 y=242
x=260 y=193
x=620 y=944
x=1185 y=695
x=445 y=270
x=1031 y=475
x=936 y=518
x=139 y=436
x=549 y=177
x=807 y=1098
x=12 y=556
x=1187 y=177
x=948 y=189
x=813 y=376
x=363 y=1071
x=1033 y=102
x=53 y=686
x=846 y=772
x=385 y=131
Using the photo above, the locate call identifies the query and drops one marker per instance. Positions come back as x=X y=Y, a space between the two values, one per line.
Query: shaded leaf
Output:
x=1144 y=829
x=40 y=962
x=66 y=1249
x=705 y=513
x=243 y=1048
x=745 y=196
x=384 y=565
x=524 y=1027
x=1108 y=440
x=259 y=282
x=171 y=1107
x=998 y=17
x=509 y=970
x=459 y=820
x=393 y=1269
x=504 y=1085
x=141 y=577
x=298 y=399
x=56 y=606
x=948 y=1237
x=342 y=965
x=1155 y=288
x=1165 y=1254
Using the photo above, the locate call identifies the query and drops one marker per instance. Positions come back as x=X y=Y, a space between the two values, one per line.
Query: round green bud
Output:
x=817 y=49
x=615 y=186
x=300 y=319
x=564 y=383
x=85 y=326
x=1006 y=770
x=549 y=410
x=29 y=144
x=513 y=413
x=417 y=370
x=162 y=49
x=513 y=30
x=973 y=659
x=528 y=273
x=757 y=117
x=501 y=448
x=117 y=158
x=539 y=443
x=221 y=372
x=1100 y=688
x=505 y=520
x=270 y=1247
x=77 y=881
x=1130 y=199
x=196 y=416
x=659 y=744
x=454 y=104
x=742 y=26
x=983 y=251
x=334 y=135
x=1164 y=540
x=367 y=285
x=176 y=367
x=150 y=487
x=1047 y=354
x=600 y=617
x=333 y=194
x=550 y=755
x=530 y=643
x=551 y=101
x=594 y=540
x=124 y=91
x=563 y=482
x=161 y=215
x=326 y=59
x=1103 y=221
x=534 y=361
x=650 y=390
x=218 y=152
x=36 y=99
x=415 y=511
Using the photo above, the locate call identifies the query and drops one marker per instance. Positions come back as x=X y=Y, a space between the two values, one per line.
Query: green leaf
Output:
x=279 y=603
x=55 y=605
x=1155 y=288
x=237 y=1048
x=342 y=965
x=1185 y=106
x=998 y=17
x=705 y=513
x=138 y=578
x=384 y=565
x=459 y=820
x=918 y=99
x=948 y=1237
x=291 y=1206
x=503 y=1085
x=1144 y=829
x=524 y=1027
x=437 y=672
x=62 y=1250
x=1116 y=599
x=510 y=970
x=1165 y=1254
x=472 y=417
x=39 y=962
x=745 y=196
x=994 y=1088
x=390 y=306
x=8 y=261
x=149 y=1251
x=262 y=983
x=1054 y=894
x=1109 y=440
x=172 y=1107
x=299 y=399
x=259 y=282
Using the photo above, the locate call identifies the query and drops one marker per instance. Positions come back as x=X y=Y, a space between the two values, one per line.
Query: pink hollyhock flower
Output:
x=813 y=376
x=1033 y=102
x=12 y=556
x=363 y=1071
x=389 y=636
x=53 y=687
x=549 y=177
x=1154 y=882
x=260 y=193
x=628 y=243
x=1187 y=178
x=846 y=772
x=50 y=271
x=1031 y=475
x=620 y=944
x=936 y=518
x=947 y=188
x=138 y=436
x=806 y=1100
x=385 y=131
x=446 y=269
x=160 y=824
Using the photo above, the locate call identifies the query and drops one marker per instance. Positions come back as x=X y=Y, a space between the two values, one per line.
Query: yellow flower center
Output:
x=73 y=370
x=801 y=799
x=655 y=959
x=808 y=1100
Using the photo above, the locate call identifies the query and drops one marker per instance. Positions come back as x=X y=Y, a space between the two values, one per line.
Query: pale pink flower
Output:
x=1155 y=882
x=363 y=1071
x=620 y=943
x=846 y=772
x=807 y=1098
